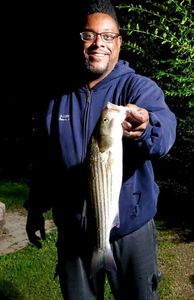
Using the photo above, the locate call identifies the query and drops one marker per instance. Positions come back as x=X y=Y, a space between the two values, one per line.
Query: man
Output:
x=148 y=133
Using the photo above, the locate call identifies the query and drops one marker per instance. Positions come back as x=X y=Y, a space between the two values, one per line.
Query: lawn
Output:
x=28 y=274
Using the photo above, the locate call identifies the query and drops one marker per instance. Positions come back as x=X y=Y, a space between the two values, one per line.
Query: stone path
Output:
x=14 y=236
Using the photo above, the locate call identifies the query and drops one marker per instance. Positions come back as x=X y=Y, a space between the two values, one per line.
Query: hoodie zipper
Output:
x=85 y=124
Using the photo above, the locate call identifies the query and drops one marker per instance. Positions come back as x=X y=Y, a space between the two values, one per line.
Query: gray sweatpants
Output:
x=137 y=272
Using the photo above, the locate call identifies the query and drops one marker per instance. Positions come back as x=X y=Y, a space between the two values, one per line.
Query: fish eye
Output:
x=105 y=120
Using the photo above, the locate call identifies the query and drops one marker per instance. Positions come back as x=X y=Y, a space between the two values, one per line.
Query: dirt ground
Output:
x=14 y=235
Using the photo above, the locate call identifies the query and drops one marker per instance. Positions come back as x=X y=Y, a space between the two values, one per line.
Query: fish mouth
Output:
x=113 y=107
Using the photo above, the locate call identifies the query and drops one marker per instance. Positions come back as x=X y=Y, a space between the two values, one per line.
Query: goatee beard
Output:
x=92 y=72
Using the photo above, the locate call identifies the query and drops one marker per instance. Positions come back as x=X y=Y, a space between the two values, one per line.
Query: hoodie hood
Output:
x=120 y=69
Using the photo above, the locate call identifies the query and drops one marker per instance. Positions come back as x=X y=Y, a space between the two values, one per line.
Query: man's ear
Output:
x=120 y=40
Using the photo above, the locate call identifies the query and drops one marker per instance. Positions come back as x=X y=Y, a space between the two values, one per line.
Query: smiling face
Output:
x=100 y=56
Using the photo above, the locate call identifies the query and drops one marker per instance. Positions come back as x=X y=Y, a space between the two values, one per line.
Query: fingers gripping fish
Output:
x=105 y=179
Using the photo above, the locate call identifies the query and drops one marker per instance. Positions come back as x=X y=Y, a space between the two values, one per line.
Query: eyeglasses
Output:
x=107 y=37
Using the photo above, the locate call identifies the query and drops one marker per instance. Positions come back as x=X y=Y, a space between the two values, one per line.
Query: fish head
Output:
x=109 y=127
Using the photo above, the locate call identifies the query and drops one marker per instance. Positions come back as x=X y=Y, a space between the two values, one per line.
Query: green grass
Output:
x=166 y=257
x=28 y=274
x=13 y=193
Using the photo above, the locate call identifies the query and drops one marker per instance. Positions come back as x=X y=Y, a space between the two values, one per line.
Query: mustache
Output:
x=95 y=49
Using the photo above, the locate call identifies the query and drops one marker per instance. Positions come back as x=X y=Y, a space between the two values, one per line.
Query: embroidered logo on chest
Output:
x=64 y=117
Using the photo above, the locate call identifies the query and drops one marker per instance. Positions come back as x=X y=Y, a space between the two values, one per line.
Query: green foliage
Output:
x=160 y=38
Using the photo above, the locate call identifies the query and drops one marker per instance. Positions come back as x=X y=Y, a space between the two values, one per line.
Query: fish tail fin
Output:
x=109 y=261
x=102 y=259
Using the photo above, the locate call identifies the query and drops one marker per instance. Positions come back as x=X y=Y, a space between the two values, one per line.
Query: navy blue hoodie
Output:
x=71 y=120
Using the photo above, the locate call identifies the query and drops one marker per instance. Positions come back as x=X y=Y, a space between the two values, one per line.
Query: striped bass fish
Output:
x=105 y=179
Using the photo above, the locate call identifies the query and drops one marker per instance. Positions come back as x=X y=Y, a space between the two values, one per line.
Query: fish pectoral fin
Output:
x=102 y=259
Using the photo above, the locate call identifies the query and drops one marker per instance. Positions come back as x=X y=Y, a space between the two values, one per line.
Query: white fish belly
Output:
x=105 y=184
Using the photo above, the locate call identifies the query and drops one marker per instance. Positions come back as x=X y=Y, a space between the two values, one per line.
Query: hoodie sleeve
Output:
x=160 y=133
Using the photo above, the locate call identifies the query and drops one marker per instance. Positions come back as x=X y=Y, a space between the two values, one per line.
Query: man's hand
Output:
x=35 y=222
x=136 y=121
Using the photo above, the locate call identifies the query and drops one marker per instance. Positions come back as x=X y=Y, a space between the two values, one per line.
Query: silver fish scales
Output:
x=105 y=179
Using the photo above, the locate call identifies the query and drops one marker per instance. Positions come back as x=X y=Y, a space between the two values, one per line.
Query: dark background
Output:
x=38 y=55
x=38 y=52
